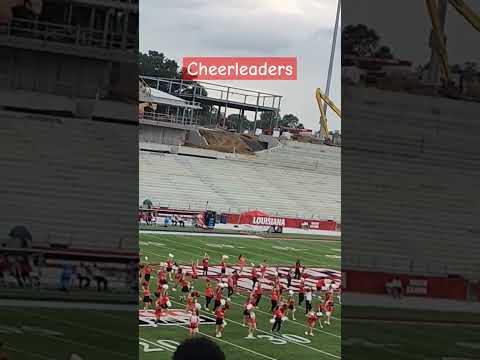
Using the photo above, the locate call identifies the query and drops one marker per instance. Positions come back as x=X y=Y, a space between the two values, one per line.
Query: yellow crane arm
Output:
x=321 y=99
x=467 y=12
x=439 y=38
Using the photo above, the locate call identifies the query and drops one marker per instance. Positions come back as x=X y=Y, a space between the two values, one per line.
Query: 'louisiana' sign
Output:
x=269 y=221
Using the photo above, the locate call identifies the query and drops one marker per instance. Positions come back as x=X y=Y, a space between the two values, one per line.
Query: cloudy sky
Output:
x=301 y=28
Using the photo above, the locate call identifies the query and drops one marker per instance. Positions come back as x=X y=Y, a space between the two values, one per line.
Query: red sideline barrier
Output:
x=426 y=286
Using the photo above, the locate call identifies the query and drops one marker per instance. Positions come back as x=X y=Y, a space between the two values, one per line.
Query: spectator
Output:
x=66 y=277
x=83 y=274
x=181 y=222
x=100 y=278
x=194 y=347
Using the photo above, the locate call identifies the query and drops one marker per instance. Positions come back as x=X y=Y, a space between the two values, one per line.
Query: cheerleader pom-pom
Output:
x=174 y=289
x=146 y=258
x=272 y=321
x=290 y=293
x=252 y=315
x=252 y=264
x=249 y=307
x=169 y=304
x=198 y=306
x=319 y=314
x=284 y=318
x=165 y=287
x=222 y=302
x=224 y=323
x=170 y=255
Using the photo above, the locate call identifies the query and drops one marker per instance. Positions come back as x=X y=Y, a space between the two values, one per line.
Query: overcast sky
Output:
x=301 y=28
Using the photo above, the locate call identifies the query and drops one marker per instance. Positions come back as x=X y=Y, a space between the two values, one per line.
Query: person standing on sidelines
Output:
x=308 y=300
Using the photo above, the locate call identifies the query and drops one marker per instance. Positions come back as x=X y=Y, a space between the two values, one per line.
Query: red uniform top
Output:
x=278 y=313
x=194 y=270
x=189 y=301
x=169 y=263
x=312 y=318
x=184 y=282
x=148 y=269
x=205 y=262
x=209 y=292
x=230 y=281
x=220 y=313
x=179 y=277
x=146 y=292
x=291 y=301
x=161 y=276
x=243 y=261
x=218 y=294
x=258 y=290
x=329 y=306
x=321 y=308
x=301 y=289
x=320 y=283
x=254 y=272
x=263 y=268
x=164 y=299
x=274 y=296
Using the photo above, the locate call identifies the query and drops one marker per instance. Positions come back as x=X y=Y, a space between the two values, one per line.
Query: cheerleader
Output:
x=252 y=325
x=263 y=269
x=169 y=265
x=291 y=305
x=311 y=322
x=185 y=288
x=246 y=312
x=220 y=319
x=329 y=311
x=194 y=271
x=274 y=300
x=208 y=296
x=147 y=297
x=242 y=261
x=194 y=321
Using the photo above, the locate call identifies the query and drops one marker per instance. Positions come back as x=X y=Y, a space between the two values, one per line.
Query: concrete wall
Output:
x=162 y=134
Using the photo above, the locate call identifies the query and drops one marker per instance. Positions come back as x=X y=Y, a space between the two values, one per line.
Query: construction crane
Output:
x=437 y=11
x=323 y=101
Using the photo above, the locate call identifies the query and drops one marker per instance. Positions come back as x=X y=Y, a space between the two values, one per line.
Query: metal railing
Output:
x=169 y=118
x=68 y=34
x=224 y=93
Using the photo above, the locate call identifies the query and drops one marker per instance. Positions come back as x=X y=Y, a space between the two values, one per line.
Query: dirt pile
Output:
x=224 y=141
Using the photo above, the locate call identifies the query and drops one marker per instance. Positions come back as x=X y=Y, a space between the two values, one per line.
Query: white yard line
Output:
x=181 y=233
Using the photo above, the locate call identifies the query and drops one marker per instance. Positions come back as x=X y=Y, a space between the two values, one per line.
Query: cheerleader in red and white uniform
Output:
x=329 y=311
x=311 y=322
x=291 y=305
x=252 y=325
x=194 y=322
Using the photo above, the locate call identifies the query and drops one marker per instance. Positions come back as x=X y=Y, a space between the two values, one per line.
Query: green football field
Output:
x=39 y=333
x=159 y=342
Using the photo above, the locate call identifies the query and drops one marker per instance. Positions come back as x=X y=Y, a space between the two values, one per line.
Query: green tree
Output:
x=360 y=40
x=157 y=64
x=291 y=121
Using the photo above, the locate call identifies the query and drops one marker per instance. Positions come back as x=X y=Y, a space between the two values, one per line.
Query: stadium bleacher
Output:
x=40 y=180
x=296 y=179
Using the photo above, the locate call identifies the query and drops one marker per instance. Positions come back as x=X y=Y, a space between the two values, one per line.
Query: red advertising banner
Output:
x=259 y=218
x=435 y=287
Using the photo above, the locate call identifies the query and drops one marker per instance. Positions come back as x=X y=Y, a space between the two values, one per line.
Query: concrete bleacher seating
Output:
x=424 y=167
x=63 y=182
x=301 y=180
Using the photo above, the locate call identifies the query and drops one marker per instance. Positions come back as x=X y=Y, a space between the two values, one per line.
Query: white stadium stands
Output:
x=296 y=179
x=42 y=184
